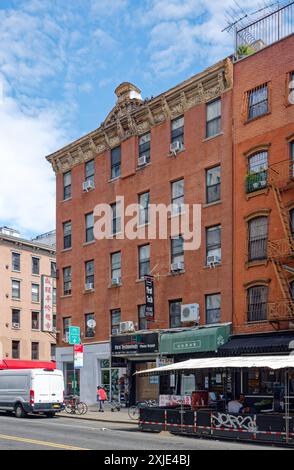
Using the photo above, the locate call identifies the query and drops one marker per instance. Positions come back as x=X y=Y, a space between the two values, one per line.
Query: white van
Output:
x=31 y=391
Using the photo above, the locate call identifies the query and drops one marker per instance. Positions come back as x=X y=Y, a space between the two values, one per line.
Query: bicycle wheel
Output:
x=85 y=410
x=81 y=408
x=133 y=412
x=68 y=408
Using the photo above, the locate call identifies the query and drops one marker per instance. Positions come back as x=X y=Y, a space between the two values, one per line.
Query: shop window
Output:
x=67 y=235
x=175 y=313
x=115 y=162
x=177 y=131
x=258 y=238
x=257 y=298
x=144 y=149
x=257 y=101
x=213 y=118
x=144 y=201
x=69 y=374
x=263 y=382
x=67 y=185
x=257 y=175
x=213 y=184
x=144 y=261
x=213 y=308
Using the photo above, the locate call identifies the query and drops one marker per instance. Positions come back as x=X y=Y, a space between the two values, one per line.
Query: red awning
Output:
x=17 y=364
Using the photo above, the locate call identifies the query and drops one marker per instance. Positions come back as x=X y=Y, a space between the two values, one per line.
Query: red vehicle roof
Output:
x=17 y=364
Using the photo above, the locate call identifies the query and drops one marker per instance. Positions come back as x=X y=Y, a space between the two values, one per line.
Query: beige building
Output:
x=23 y=265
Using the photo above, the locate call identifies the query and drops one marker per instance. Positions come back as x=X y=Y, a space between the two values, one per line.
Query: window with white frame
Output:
x=144 y=200
x=15 y=286
x=115 y=319
x=177 y=131
x=35 y=293
x=116 y=266
x=178 y=195
x=67 y=235
x=213 y=118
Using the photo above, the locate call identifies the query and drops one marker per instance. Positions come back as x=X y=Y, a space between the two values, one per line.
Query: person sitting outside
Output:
x=101 y=397
x=237 y=406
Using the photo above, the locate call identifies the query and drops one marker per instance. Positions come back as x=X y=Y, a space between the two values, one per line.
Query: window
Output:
x=213 y=118
x=145 y=146
x=90 y=172
x=177 y=250
x=66 y=324
x=53 y=269
x=67 y=185
x=89 y=221
x=213 y=184
x=257 y=298
x=292 y=290
x=175 y=313
x=144 y=200
x=116 y=265
x=54 y=296
x=35 y=265
x=213 y=244
x=258 y=101
x=15 y=349
x=35 y=321
x=292 y=158
x=143 y=324
x=67 y=281
x=35 y=351
x=35 y=293
x=257 y=171
x=144 y=261
x=115 y=162
x=257 y=240
x=67 y=235
x=15 y=289
x=15 y=262
x=53 y=351
x=177 y=199
x=292 y=221
x=177 y=131
x=15 y=317
x=89 y=271
x=115 y=317
x=213 y=308
x=116 y=218
x=90 y=331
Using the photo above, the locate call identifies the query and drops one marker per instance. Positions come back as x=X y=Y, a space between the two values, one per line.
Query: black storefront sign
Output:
x=134 y=344
x=149 y=290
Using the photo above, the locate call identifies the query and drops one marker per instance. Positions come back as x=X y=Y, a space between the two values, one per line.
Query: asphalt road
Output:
x=38 y=433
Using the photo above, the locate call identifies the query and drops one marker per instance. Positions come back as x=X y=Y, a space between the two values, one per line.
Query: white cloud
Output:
x=104 y=40
x=108 y=7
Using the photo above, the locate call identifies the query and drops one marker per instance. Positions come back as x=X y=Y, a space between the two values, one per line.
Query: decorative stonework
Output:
x=133 y=116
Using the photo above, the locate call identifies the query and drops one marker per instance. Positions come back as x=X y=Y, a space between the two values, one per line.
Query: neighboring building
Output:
x=264 y=201
x=48 y=238
x=175 y=148
x=24 y=264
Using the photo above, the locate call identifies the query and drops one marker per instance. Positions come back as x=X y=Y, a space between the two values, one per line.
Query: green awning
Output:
x=194 y=340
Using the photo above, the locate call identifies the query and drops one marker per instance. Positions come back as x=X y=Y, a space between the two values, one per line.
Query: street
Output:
x=38 y=433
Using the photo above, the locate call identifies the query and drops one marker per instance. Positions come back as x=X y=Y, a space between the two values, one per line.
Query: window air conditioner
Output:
x=126 y=327
x=177 y=267
x=190 y=313
x=87 y=185
x=142 y=160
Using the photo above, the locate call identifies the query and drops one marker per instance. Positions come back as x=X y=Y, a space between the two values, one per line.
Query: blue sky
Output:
x=60 y=61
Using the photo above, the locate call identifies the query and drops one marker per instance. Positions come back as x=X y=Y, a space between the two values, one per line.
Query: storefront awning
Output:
x=270 y=362
x=257 y=344
x=194 y=340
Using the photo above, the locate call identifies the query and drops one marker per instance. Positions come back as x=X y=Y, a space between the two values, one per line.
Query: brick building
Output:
x=175 y=148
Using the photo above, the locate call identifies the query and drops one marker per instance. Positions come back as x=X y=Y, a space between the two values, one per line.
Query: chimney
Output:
x=126 y=92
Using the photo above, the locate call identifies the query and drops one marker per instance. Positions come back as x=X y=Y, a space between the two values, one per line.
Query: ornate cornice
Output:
x=134 y=116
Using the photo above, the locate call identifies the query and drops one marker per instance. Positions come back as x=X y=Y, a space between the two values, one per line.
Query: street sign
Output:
x=74 y=335
x=149 y=292
x=78 y=356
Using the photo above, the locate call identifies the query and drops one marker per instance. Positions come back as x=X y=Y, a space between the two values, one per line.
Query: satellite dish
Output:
x=91 y=324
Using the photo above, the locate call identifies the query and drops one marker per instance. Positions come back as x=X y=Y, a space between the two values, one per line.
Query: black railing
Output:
x=257 y=249
x=256 y=181
x=257 y=311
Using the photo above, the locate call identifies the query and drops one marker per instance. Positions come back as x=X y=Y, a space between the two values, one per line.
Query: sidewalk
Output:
x=108 y=416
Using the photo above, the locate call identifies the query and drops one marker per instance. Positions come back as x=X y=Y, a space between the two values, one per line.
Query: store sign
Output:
x=134 y=344
x=181 y=346
x=47 y=303
x=149 y=302
x=164 y=361
x=174 y=400
x=78 y=356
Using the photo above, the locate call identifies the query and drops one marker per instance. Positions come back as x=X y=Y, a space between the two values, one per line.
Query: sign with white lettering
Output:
x=149 y=302
x=134 y=344
x=47 y=303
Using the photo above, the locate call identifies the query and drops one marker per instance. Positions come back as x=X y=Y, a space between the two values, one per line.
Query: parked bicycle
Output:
x=134 y=411
x=73 y=405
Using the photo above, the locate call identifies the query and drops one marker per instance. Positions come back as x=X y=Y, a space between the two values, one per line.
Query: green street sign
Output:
x=74 y=335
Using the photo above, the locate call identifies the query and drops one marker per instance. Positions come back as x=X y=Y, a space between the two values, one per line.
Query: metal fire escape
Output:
x=281 y=252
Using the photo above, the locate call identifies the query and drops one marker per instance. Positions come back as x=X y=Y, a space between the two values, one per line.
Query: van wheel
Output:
x=19 y=411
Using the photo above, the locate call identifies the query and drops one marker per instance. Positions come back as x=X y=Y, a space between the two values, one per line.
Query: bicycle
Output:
x=74 y=406
x=134 y=411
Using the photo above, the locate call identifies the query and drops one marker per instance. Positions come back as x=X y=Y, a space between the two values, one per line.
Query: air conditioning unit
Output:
x=15 y=326
x=175 y=267
x=115 y=281
x=88 y=185
x=213 y=260
x=89 y=286
x=190 y=313
x=126 y=327
x=142 y=160
x=175 y=147
x=115 y=331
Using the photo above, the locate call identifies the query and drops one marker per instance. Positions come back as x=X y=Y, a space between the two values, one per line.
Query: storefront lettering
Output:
x=187 y=345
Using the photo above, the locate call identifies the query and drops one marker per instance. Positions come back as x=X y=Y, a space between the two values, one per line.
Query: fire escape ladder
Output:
x=283 y=280
x=284 y=215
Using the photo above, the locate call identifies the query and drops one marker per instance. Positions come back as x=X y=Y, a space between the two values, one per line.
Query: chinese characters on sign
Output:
x=149 y=288
x=47 y=303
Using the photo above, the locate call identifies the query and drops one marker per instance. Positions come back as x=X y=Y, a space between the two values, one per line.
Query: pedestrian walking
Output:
x=101 y=397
